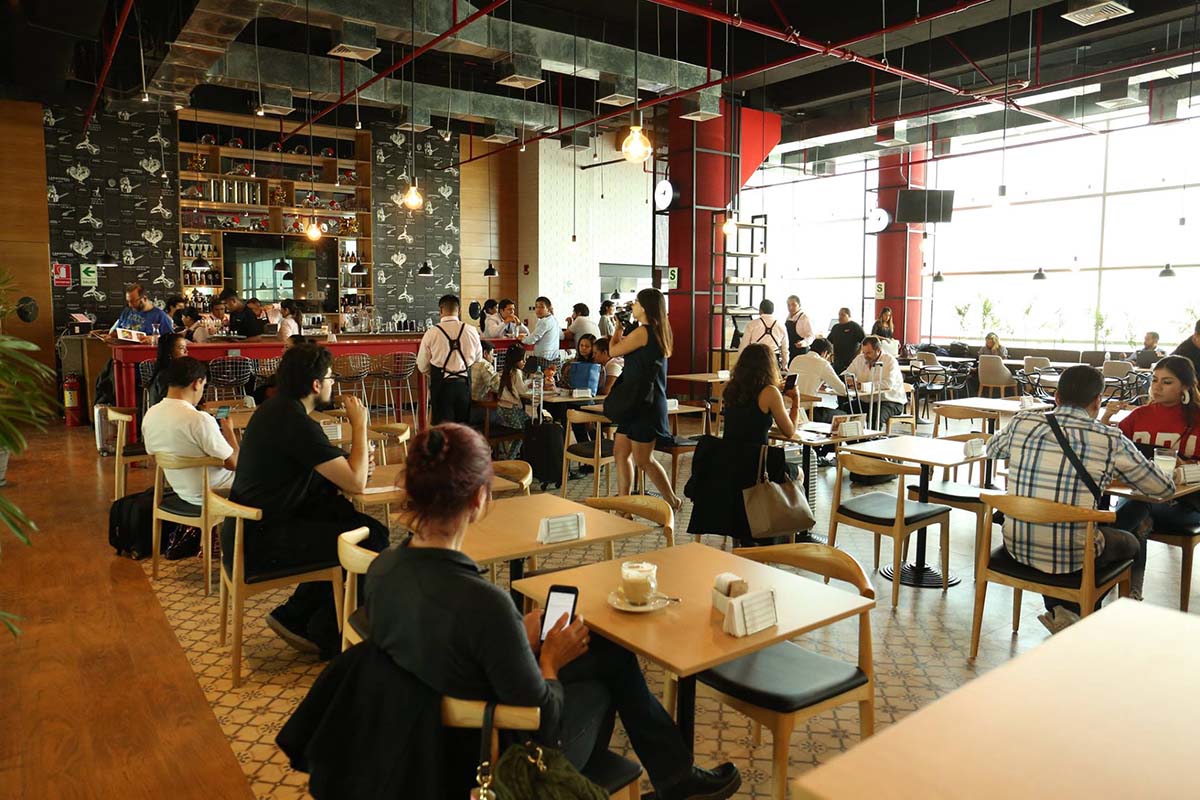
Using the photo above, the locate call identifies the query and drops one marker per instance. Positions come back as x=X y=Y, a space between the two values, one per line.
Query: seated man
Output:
x=814 y=369
x=140 y=314
x=891 y=383
x=1039 y=467
x=288 y=468
x=1190 y=347
x=175 y=426
x=242 y=319
x=1150 y=353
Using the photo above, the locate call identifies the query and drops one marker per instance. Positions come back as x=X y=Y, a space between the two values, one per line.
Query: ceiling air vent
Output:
x=1122 y=94
x=1089 y=12
x=502 y=134
x=276 y=100
x=354 y=40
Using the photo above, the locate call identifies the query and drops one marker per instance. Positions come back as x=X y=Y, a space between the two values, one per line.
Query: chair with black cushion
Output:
x=496 y=435
x=611 y=772
x=1186 y=540
x=126 y=452
x=237 y=586
x=598 y=452
x=355 y=560
x=931 y=383
x=783 y=685
x=886 y=515
x=1085 y=587
x=676 y=447
x=170 y=507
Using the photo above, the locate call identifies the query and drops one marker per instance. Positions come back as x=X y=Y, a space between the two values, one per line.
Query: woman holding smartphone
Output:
x=753 y=398
x=438 y=618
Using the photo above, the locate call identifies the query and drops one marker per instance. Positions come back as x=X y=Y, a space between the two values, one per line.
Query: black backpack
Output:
x=130 y=522
x=959 y=350
x=542 y=448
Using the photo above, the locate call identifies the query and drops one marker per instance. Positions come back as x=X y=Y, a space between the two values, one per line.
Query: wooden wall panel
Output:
x=25 y=232
x=487 y=199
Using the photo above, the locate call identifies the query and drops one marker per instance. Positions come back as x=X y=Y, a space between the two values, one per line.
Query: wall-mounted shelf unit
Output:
x=738 y=275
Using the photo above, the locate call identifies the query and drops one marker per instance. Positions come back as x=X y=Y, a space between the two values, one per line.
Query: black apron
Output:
x=794 y=348
x=450 y=390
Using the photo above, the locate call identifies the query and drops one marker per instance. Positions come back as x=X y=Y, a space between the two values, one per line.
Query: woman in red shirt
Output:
x=1171 y=419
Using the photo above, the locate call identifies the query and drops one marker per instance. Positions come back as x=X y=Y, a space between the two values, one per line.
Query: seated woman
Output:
x=514 y=389
x=753 y=398
x=432 y=611
x=884 y=327
x=170 y=347
x=1171 y=420
x=992 y=347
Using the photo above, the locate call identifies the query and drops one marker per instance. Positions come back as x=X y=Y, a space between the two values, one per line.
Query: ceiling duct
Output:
x=354 y=40
x=277 y=100
x=521 y=72
x=1091 y=12
x=577 y=140
x=894 y=135
x=416 y=120
x=1120 y=94
x=701 y=107
x=503 y=134
x=618 y=92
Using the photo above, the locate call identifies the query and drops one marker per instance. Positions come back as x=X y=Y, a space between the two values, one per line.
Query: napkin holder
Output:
x=722 y=374
x=672 y=404
x=723 y=584
x=1187 y=474
x=751 y=613
x=973 y=448
x=852 y=427
x=564 y=528
x=332 y=430
x=584 y=393
x=1028 y=402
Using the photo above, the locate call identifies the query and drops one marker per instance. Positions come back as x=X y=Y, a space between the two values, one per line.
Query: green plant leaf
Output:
x=10 y=621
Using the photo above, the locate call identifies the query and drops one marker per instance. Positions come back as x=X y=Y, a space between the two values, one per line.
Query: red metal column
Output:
x=898 y=248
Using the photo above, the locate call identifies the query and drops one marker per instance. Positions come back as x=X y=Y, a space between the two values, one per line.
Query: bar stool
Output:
x=228 y=375
x=145 y=376
x=351 y=369
x=396 y=371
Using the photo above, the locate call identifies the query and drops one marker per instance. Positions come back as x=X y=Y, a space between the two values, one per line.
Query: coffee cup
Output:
x=639 y=581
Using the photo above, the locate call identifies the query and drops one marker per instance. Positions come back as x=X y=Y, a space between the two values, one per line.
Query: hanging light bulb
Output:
x=490 y=272
x=636 y=148
x=145 y=97
x=313 y=231
x=730 y=226
x=616 y=295
x=259 y=111
x=358 y=124
x=106 y=259
x=283 y=266
x=412 y=199
x=200 y=264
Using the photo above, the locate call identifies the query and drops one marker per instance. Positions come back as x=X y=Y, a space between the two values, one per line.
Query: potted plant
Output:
x=26 y=400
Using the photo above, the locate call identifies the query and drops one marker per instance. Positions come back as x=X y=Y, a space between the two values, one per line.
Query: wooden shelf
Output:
x=202 y=286
x=208 y=205
x=303 y=211
x=265 y=156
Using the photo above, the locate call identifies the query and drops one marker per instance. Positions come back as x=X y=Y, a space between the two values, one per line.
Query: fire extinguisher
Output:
x=72 y=408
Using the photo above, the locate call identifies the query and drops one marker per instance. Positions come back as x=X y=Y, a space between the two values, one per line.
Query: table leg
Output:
x=516 y=571
x=805 y=462
x=685 y=710
x=920 y=574
x=987 y=462
x=422 y=398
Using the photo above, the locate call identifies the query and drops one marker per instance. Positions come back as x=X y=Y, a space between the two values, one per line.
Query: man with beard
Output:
x=288 y=468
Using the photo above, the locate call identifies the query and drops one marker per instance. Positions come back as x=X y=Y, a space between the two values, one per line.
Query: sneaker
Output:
x=705 y=784
x=1057 y=619
x=1135 y=594
x=295 y=637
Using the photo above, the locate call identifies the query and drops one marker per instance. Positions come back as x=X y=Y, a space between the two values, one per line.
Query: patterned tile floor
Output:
x=920 y=652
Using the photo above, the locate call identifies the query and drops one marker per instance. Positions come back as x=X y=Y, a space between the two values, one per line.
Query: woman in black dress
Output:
x=753 y=399
x=645 y=350
x=884 y=327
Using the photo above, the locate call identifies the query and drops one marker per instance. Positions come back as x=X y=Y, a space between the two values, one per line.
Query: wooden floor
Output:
x=96 y=698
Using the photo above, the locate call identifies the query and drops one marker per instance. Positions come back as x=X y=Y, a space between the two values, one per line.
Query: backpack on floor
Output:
x=542 y=448
x=130 y=523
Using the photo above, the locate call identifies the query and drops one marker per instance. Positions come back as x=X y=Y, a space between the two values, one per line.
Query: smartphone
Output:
x=789 y=382
x=221 y=413
x=561 y=600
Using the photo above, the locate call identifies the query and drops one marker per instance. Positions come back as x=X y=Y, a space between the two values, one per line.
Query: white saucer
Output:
x=617 y=600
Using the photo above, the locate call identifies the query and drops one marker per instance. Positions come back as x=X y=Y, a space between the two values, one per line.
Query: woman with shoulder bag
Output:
x=638 y=400
x=438 y=618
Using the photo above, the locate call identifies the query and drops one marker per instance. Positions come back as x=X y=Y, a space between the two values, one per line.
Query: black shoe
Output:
x=705 y=784
x=294 y=635
x=586 y=469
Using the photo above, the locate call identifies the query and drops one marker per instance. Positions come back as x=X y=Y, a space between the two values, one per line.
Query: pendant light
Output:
x=425 y=270
x=413 y=200
x=937 y=277
x=1167 y=272
x=106 y=259
x=573 y=247
x=288 y=276
x=1040 y=275
x=1001 y=202
x=730 y=226
x=141 y=56
x=616 y=295
x=636 y=148
x=313 y=231
x=282 y=265
x=490 y=272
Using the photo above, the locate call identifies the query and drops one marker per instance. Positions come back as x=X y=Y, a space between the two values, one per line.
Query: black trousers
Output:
x=449 y=400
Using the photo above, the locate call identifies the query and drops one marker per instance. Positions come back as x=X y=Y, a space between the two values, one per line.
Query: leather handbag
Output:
x=775 y=509
x=527 y=770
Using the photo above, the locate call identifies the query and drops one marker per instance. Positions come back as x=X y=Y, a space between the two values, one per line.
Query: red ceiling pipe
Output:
x=950 y=41
x=737 y=76
x=425 y=48
x=836 y=51
x=108 y=60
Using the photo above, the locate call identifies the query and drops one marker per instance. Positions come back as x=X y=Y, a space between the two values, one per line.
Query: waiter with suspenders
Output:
x=447 y=352
x=766 y=330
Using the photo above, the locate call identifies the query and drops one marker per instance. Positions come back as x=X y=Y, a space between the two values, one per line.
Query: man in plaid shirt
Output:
x=1038 y=467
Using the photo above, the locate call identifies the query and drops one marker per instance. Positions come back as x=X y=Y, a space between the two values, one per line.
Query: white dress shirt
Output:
x=288 y=327
x=435 y=347
x=179 y=428
x=812 y=370
x=892 y=382
x=494 y=327
x=582 y=325
x=545 y=338
x=765 y=330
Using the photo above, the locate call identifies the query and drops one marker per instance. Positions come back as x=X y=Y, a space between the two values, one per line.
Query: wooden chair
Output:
x=954 y=412
x=1084 y=588
x=237 y=587
x=355 y=560
x=126 y=453
x=598 y=452
x=993 y=375
x=172 y=508
x=962 y=496
x=397 y=432
x=654 y=509
x=677 y=447
x=1186 y=540
x=499 y=434
x=879 y=513
x=785 y=684
x=519 y=472
x=612 y=772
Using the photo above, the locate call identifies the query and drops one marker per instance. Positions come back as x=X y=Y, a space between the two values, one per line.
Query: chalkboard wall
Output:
x=106 y=192
x=402 y=239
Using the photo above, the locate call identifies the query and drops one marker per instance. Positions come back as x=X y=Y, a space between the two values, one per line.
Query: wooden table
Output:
x=673 y=413
x=926 y=453
x=992 y=405
x=687 y=637
x=816 y=434
x=1048 y=724
x=391 y=477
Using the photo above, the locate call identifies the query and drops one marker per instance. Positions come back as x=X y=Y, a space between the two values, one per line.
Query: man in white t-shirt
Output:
x=766 y=330
x=174 y=425
x=612 y=366
x=580 y=323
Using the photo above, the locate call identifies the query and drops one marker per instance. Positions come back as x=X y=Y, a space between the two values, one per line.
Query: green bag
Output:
x=528 y=771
